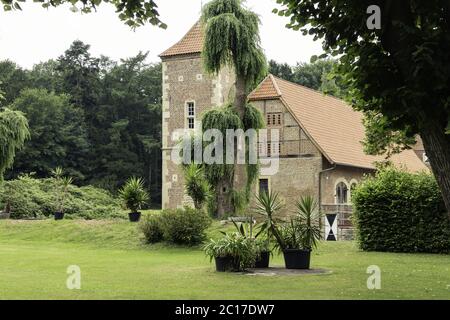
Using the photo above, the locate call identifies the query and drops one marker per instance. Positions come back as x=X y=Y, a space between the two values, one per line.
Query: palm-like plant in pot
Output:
x=300 y=236
x=62 y=189
x=268 y=204
x=134 y=196
x=261 y=243
x=233 y=252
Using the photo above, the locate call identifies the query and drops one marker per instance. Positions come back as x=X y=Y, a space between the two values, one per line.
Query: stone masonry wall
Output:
x=184 y=80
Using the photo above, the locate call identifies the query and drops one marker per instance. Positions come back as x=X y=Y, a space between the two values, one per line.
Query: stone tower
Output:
x=187 y=93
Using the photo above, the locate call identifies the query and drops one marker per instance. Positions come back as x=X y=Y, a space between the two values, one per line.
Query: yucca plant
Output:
x=62 y=185
x=133 y=194
x=308 y=217
x=268 y=204
x=196 y=185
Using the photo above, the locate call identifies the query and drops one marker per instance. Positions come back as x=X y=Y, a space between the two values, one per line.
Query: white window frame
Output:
x=189 y=116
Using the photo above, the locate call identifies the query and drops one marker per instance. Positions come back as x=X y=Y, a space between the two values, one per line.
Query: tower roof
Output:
x=191 y=43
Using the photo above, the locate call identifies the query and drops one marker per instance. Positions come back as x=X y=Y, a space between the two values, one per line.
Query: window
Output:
x=341 y=193
x=269 y=149
x=263 y=186
x=190 y=106
x=274 y=119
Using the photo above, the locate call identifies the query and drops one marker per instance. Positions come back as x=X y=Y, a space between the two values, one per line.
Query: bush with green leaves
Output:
x=152 y=228
x=37 y=198
x=234 y=245
x=185 y=226
x=398 y=211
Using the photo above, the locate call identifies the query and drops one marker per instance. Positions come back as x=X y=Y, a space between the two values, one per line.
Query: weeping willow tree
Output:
x=13 y=133
x=232 y=40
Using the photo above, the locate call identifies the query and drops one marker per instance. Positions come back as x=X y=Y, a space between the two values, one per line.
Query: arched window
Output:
x=341 y=193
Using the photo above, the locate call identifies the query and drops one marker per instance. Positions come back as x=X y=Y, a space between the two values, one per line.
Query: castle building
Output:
x=319 y=147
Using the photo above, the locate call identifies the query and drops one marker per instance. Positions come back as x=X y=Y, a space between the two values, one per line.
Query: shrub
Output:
x=401 y=212
x=185 y=226
x=152 y=228
x=233 y=245
x=36 y=198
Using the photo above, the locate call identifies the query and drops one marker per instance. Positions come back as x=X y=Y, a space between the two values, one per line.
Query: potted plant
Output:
x=134 y=196
x=300 y=236
x=62 y=188
x=262 y=251
x=233 y=252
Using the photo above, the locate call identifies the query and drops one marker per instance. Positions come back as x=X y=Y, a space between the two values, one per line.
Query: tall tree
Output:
x=13 y=133
x=281 y=70
x=399 y=72
x=13 y=79
x=58 y=135
x=318 y=75
x=232 y=39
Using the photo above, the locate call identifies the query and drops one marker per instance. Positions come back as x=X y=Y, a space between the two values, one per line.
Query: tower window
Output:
x=190 y=112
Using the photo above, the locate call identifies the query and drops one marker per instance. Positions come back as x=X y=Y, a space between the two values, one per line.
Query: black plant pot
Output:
x=59 y=215
x=225 y=264
x=134 y=216
x=262 y=261
x=297 y=259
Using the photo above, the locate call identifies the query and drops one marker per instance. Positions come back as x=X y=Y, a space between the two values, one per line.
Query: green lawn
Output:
x=115 y=264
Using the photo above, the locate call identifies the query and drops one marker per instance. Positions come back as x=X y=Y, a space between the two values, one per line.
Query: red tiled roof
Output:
x=334 y=126
x=191 y=43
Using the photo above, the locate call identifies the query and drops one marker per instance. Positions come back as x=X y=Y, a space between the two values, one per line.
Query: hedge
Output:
x=36 y=198
x=397 y=211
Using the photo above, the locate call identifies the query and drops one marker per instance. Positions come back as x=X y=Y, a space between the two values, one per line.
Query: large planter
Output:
x=297 y=259
x=263 y=260
x=134 y=216
x=226 y=264
x=59 y=215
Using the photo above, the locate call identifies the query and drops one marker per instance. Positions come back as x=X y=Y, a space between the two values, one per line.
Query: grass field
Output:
x=115 y=264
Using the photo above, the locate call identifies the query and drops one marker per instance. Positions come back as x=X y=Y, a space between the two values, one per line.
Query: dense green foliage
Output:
x=401 y=212
x=38 y=198
x=13 y=133
x=58 y=134
x=152 y=228
x=397 y=72
x=97 y=118
x=219 y=176
x=134 y=13
x=185 y=226
x=232 y=39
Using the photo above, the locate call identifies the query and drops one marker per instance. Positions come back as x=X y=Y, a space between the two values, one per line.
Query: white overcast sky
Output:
x=35 y=34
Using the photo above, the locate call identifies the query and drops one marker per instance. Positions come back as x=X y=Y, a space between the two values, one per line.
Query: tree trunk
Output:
x=240 y=103
x=223 y=199
x=437 y=148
